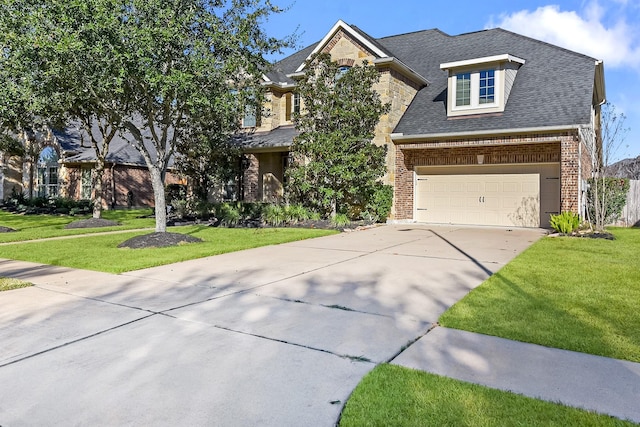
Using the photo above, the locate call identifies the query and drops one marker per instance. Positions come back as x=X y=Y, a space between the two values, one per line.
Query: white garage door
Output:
x=479 y=199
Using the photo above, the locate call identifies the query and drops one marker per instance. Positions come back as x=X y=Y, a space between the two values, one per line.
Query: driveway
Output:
x=278 y=335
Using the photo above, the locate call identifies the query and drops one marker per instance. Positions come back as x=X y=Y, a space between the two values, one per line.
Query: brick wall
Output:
x=506 y=150
x=122 y=179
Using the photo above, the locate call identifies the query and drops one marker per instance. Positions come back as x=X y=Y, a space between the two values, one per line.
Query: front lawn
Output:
x=7 y=284
x=573 y=293
x=30 y=227
x=395 y=396
x=101 y=252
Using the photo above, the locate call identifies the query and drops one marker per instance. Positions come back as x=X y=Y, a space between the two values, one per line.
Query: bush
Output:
x=379 y=205
x=295 y=213
x=340 y=220
x=610 y=206
x=565 y=223
x=274 y=215
x=229 y=214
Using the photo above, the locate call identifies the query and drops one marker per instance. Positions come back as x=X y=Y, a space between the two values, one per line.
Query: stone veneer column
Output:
x=251 y=179
x=569 y=174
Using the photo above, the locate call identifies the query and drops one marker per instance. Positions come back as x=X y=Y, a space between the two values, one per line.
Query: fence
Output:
x=631 y=212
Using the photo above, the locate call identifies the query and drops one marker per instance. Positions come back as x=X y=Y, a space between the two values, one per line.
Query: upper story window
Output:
x=296 y=103
x=487 y=87
x=480 y=85
x=463 y=89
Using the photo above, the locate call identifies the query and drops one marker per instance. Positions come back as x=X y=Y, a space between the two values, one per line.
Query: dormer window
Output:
x=480 y=85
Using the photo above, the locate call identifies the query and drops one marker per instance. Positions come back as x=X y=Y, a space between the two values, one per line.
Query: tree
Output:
x=335 y=165
x=149 y=68
x=605 y=194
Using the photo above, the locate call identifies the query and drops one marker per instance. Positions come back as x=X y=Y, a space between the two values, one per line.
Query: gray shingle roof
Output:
x=281 y=137
x=76 y=147
x=553 y=88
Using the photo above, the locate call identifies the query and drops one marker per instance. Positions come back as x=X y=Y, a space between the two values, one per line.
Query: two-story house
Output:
x=485 y=128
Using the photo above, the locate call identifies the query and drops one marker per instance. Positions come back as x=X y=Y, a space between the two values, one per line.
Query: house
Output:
x=485 y=128
x=62 y=164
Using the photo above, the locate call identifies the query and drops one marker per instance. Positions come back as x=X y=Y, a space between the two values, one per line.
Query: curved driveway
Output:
x=273 y=336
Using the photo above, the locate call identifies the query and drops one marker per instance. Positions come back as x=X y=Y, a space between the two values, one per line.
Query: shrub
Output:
x=340 y=220
x=229 y=214
x=274 y=215
x=380 y=203
x=565 y=223
x=295 y=213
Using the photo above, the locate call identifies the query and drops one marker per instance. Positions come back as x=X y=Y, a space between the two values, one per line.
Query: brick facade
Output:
x=117 y=182
x=530 y=149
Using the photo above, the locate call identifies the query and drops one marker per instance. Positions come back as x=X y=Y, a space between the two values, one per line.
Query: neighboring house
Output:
x=485 y=128
x=64 y=165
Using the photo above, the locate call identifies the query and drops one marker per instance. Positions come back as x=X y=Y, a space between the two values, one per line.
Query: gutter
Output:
x=401 y=138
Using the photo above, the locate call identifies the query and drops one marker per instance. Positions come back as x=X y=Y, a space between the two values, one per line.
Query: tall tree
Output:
x=156 y=67
x=336 y=166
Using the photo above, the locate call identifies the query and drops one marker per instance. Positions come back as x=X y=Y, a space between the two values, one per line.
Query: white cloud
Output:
x=587 y=32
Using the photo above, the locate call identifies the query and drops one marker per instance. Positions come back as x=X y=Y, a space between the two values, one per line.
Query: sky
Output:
x=608 y=30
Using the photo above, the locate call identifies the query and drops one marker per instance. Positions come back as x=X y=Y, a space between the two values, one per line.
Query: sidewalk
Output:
x=595 y=383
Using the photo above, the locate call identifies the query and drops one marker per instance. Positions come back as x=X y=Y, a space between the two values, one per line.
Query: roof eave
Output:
x=405 y=70
x=401 y=138
x=342 y=25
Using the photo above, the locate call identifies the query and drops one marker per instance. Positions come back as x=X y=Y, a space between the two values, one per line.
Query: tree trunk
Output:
x=97 y=186
x=157 y=182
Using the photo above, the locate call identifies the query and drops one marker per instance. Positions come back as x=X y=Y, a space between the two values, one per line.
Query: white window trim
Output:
x=475 y=90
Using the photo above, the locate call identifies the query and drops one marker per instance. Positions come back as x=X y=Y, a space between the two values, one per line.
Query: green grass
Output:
x=100 y=252
x=7 y=284
x=396 y=396
x=30 y=227
x=576 y=294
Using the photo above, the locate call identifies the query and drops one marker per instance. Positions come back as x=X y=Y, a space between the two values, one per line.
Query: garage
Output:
x=510 y=195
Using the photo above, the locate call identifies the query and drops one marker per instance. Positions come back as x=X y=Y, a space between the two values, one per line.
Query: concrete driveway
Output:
x=278 y=335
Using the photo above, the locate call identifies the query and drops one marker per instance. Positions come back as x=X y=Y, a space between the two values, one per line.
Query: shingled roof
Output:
x=553 y=88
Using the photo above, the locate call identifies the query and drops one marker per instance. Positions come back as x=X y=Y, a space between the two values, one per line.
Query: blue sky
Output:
x=604 y=29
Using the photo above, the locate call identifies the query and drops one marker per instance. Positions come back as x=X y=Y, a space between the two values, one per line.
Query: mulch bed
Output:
x=158 y=240
x=91 y=223
x=6 y=229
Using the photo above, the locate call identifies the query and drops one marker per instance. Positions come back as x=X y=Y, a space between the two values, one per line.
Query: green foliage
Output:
x=229 y=214
x=340 y=220
x=274 y=215
x=606 y=198
x=381 y=201
x=565 y=222
x=295 y=213
x=157 y=71
x=7 y=284
x=336 y=167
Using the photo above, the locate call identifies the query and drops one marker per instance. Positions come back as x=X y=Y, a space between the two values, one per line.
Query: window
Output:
x=342 y=70
x=287 y=107
x=480 y=85
x=487 y=87
x=250 y=118
x=296 y=103
x=463 y=89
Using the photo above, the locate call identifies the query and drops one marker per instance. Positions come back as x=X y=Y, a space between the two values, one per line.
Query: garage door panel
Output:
x=491 y=199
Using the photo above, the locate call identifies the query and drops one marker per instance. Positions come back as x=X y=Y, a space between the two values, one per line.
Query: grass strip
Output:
x=396 y=396
x=100 y=252
x=573 y=293
x=31 y=227
x=8 y=284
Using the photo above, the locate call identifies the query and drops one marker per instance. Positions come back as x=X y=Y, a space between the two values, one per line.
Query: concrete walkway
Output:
x=277 y=335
